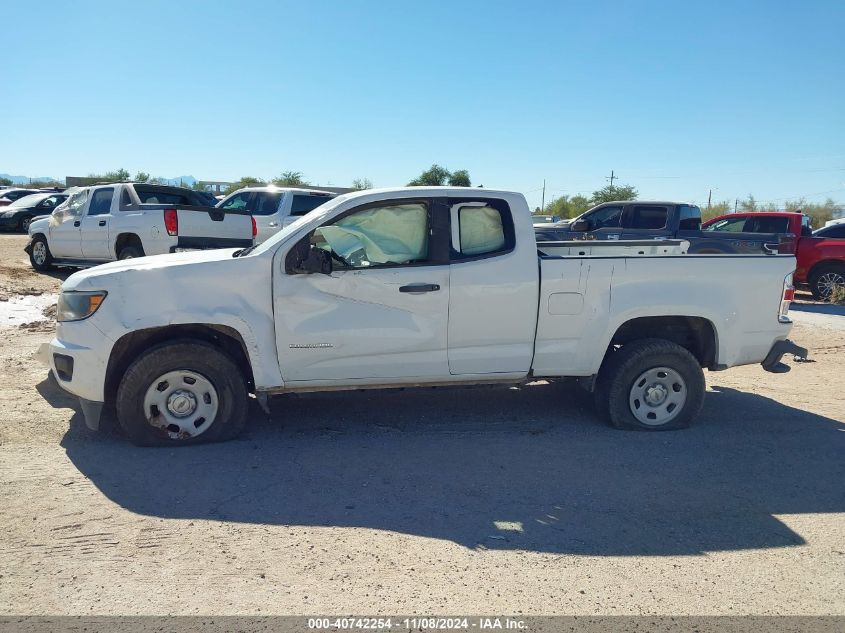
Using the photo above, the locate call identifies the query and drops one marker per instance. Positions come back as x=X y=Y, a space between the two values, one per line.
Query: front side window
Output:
x=101 y=201
x=238 y=201
x=735 y=225
x=77 y=202
x=388 y=235
x=606 y=217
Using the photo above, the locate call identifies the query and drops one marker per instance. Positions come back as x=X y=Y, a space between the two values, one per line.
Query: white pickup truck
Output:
x=125 y=220
x=405 y=287
x=274 y=207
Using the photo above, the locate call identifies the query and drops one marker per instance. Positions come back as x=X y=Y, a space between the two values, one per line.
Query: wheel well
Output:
x=696 y=334
x=836 y=263
x=127 y=239
x=130 y=346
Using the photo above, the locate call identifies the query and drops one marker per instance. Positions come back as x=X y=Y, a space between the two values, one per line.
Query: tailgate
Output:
x=210 y=227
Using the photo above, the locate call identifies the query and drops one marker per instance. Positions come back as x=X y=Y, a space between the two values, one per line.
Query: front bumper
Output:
x=8 y=224
x=79 y=370
x=773 y=363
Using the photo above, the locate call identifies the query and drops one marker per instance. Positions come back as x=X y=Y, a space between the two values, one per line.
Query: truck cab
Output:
x=274 y=207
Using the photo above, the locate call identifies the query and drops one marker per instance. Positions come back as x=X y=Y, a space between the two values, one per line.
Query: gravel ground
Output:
x=446 y=501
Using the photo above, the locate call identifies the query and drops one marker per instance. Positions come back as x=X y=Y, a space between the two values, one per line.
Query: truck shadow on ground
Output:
x=507 y=468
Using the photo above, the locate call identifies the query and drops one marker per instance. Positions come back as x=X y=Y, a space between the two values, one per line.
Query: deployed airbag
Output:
x=385 y=235
x=481 y=230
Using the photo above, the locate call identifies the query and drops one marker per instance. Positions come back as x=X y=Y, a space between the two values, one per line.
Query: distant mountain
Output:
x=25 y=180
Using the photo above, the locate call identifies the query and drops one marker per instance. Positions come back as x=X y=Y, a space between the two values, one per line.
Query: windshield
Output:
x=28 y=201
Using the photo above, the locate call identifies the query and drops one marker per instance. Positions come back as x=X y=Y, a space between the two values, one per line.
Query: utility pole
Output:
x=709 y=195
x=736 y=202
x=543 y=203
x=612 y=178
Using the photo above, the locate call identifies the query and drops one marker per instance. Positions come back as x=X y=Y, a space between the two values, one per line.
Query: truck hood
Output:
x=105 y=276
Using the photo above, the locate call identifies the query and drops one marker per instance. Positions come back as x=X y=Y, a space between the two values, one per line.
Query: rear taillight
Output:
x=171 y=221
x=786 y=298
x=254 y=226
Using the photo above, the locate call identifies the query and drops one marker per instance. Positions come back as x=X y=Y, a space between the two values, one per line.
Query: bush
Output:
x=837 y=295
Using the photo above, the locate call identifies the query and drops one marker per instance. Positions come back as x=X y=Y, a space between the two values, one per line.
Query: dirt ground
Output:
x=447 y=501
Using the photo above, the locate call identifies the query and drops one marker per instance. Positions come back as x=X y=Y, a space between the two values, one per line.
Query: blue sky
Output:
x=676 y=97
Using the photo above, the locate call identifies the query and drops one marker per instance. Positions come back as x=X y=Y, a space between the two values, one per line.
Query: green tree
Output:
x=359 y=184
x=118 y=174
x=460 y=178
x=6 y=181
x=434 y=176
x=716 y=209
x=245 y=181
x=142 y=176
x=612 y=193
x=749 y=204
x=566 y=206
x=290 y=179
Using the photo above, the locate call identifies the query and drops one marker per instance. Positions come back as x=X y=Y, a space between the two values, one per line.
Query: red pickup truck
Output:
x=820 y=255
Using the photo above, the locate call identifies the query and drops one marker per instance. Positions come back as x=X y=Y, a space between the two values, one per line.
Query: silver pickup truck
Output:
x=124 y=220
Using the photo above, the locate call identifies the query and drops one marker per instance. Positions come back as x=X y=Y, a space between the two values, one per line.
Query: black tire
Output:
x=41 y=265
x=621 y=368
x=823 y=277
x=23 y=223
x=195 y=356
x=130 y=252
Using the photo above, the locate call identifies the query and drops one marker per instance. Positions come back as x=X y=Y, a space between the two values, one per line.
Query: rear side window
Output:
x=647 y=217
x=483 y=229
x=689 y=218
x=101 y=201
x=304 y=203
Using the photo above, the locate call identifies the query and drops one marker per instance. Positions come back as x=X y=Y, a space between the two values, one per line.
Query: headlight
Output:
x=75 y=306
x=9 y=214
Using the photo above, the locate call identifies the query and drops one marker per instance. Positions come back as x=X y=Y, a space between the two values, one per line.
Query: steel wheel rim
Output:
x=181 y=403
x=657 y=396
x=828 y=282
x=25 y=224
x=39 y=252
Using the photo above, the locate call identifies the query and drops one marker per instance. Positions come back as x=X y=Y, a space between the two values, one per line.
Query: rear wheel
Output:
x=130 y=252
x=182 y=393
x=652 y=384
x=39 y=254
x=824 y=279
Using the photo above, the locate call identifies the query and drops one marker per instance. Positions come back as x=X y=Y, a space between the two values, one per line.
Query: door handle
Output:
x=419 y=288
x=273 y=224
x=76 y=223
x=102 y=223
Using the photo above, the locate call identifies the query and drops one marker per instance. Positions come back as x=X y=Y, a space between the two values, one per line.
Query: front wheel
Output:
x=652 y=384
x=39 y=254
x=130 y=252
x=182 y=393
x=23 y=224
x=824 y=279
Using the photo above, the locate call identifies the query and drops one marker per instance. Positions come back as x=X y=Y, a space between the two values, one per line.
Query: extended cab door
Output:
x=382 y=313
x=95 y=225
x=494 y=283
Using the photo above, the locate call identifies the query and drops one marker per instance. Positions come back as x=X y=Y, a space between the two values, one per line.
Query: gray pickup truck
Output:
x=644 y=220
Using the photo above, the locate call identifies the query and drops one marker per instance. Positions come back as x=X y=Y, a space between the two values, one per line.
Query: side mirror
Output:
x=579 y=226
x=316 y=260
